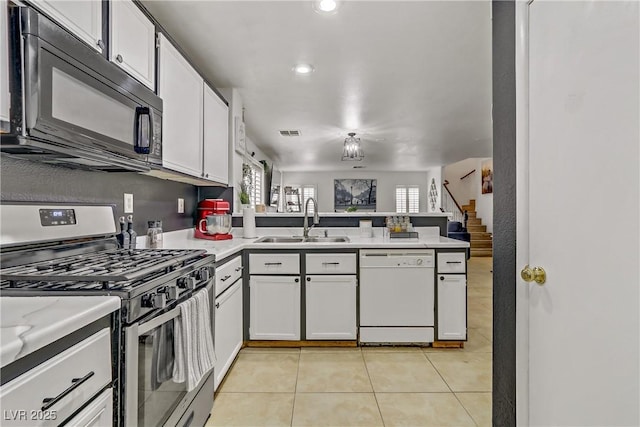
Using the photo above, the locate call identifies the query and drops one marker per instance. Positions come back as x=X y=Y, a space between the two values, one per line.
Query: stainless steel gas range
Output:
x=72 y=250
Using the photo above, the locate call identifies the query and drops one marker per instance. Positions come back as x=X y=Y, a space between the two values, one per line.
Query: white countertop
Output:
x=30 y=323
x=184 y=239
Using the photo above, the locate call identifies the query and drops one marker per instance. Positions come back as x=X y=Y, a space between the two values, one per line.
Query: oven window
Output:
x=158 y=395
x=76 y=103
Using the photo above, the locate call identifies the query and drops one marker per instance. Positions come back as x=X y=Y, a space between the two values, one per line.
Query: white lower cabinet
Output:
x=275 y=308
x=452 y=307
x=330 y=307
x=228 y=329
x=98 y=413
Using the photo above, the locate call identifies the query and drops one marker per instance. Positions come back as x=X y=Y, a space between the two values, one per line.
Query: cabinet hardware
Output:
x=330 y=263
x=308 y=279
x=48 y=402
x=119 y=58
x=100 y=44
x=454 y=262
x=297 y=280
x=272 y=263
x=217 y=305
x=225 y=278
x=239 y=268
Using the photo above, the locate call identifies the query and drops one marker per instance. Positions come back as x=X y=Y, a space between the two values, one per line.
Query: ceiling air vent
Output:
x=289 y=133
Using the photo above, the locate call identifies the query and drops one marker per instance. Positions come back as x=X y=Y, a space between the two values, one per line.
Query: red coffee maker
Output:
x=214 y=220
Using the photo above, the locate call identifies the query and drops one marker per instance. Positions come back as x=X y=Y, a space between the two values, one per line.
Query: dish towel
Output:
x=193 y=341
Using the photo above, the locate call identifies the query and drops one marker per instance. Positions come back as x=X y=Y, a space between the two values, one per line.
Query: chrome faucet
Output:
x=316 y=218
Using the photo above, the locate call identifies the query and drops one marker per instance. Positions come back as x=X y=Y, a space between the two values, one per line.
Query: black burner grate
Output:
x=102 y=268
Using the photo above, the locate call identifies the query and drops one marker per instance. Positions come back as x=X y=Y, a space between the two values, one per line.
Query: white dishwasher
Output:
x=397 y=295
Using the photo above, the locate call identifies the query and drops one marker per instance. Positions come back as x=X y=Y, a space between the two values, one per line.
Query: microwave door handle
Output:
x=137 y=132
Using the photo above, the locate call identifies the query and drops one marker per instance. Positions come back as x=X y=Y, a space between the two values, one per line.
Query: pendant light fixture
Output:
x=352 y=149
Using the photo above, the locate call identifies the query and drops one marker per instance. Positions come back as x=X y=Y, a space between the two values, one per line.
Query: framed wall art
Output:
x=354 y=194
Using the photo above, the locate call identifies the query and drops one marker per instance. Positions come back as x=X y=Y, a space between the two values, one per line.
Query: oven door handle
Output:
x=157 y=321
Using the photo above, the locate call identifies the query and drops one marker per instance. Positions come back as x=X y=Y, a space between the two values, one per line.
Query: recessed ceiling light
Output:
x=303 y=69
x=325 y=7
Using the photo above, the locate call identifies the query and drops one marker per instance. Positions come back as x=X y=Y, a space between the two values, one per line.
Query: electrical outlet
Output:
x=128 y=203
x=180 y=205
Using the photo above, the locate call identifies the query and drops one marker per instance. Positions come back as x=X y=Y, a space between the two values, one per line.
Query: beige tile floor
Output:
x=368 y=386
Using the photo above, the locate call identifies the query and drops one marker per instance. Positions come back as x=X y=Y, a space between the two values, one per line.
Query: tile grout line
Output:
x=295 y=389
x=375 y=396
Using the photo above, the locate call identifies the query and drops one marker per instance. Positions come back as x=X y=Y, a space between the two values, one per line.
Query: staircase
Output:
x=481 y=241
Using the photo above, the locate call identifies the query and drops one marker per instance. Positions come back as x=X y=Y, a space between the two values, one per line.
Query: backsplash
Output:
x=153 y=198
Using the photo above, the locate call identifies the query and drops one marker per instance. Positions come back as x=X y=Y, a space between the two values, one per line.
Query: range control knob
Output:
x=187 y=283
x=170 y=291
x=419 y=261
x=202 y=274
x=158 y=300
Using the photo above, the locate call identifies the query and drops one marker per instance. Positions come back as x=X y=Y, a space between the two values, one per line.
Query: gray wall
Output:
x=153 y=198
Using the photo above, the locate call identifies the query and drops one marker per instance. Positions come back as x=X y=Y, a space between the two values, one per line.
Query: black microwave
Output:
x=70 y=105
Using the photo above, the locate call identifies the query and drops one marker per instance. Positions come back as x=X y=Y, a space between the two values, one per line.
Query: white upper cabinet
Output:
x=82 y=18
x=181 y=89
x=216 y=137
x=5 y=97
x=133 y=41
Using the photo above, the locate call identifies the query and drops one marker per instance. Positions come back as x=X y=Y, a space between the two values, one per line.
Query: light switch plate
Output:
x=128 y=203
x=180 y=205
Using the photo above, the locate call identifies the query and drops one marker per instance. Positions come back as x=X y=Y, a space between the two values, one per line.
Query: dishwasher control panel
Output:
x=416 y=258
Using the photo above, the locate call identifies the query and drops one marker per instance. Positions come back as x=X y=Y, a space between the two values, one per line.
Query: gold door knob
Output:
x=535 y=274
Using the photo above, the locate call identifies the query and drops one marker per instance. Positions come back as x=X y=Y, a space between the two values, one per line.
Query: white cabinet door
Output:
x=133 y=41
x=180 y=88
x=452 y=307
x=275 y=308
x=98 y=413
x=216 y=137
x=82 y=18
x=5 y=97
x=330 y=307
x=228 y=329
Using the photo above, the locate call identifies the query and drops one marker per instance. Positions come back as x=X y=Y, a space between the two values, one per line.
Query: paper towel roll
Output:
x=249 y=223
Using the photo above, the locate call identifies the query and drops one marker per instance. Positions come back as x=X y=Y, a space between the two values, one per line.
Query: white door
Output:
x=228 y=329
x=330 y=303
x=180 y=88
x=133 y=41
x=274 y=312
x=216 y=137
x=578 y=213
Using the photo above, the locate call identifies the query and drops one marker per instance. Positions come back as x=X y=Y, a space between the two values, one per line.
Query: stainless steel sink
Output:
x=318 y=239
x=280 y=239
x=296 y=239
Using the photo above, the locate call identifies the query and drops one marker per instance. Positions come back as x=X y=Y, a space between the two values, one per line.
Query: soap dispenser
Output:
x=123 y=235
x=132 y=234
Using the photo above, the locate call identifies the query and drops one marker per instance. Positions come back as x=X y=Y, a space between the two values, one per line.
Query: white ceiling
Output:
x=412 y=79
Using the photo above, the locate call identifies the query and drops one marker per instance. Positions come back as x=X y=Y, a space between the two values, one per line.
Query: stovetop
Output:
x=106 y=267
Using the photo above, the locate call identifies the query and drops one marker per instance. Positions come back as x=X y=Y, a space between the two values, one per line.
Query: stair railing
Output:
x=451 y=206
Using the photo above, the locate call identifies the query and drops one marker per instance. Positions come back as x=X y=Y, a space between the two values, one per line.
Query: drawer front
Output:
x=452 y=262
x=227 y=274
x=71 y=378
x=331 y=263
x=274 y=263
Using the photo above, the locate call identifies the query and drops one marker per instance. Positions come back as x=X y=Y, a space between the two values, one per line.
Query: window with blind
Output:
x=306 y=192
x=257 y=178
x=407 y=199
